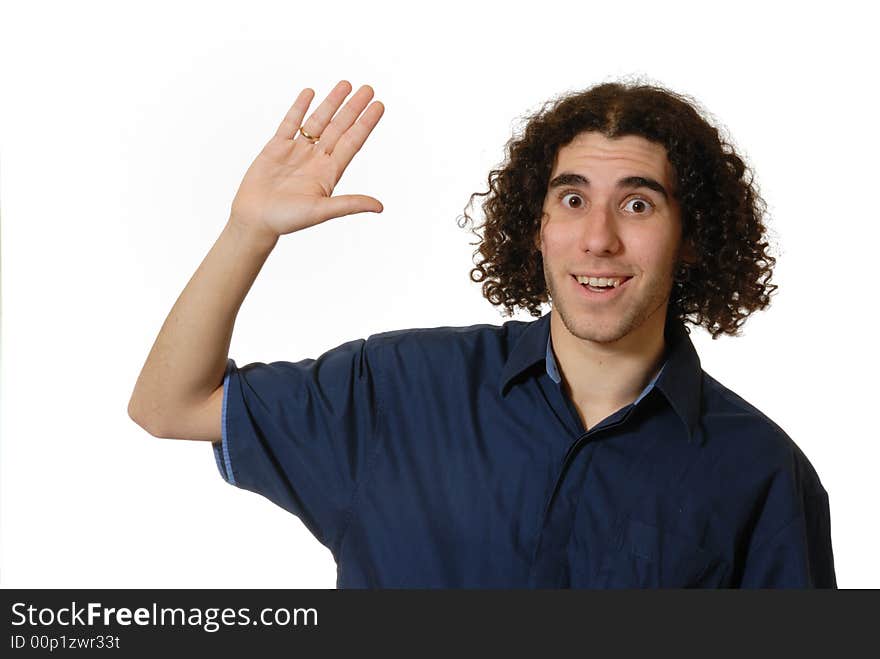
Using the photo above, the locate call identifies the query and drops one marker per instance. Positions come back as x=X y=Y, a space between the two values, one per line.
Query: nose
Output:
x=599 y=231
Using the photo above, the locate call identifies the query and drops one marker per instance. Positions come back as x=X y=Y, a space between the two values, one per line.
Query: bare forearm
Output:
x=188 y=359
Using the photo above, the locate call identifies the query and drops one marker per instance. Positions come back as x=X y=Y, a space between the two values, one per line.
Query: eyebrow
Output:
x=629 y=182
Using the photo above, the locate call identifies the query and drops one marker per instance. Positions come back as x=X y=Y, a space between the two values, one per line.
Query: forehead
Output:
x=631 y=154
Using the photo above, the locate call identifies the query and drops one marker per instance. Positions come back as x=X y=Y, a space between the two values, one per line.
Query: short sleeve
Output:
x=797 y=555
x=302 y=434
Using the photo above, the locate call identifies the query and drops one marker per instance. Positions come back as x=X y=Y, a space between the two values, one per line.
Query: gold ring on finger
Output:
x=310 y=138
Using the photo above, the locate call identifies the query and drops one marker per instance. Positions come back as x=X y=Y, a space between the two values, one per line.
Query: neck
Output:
x=609 y=374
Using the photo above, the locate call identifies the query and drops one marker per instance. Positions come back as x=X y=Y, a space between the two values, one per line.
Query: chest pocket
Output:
x=645 y=556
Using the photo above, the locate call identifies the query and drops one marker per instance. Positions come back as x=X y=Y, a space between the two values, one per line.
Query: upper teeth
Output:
x=601 y=281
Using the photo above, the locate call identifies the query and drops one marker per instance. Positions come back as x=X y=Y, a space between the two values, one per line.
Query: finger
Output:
x=316 y=123
x=345 y=118
x=293 y=119
x=351 y=141
x=349 y=204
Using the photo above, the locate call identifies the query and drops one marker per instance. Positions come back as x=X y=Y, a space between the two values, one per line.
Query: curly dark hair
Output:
x=722 y=212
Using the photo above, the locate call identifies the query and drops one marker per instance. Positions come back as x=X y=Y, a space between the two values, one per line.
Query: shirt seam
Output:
x=368 y=469
x=743 y=405
x=810 y=496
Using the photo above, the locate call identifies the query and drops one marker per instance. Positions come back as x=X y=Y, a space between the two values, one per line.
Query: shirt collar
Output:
x=679 y=379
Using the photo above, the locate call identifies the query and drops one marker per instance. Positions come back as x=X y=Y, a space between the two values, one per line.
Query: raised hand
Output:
x=289 y=186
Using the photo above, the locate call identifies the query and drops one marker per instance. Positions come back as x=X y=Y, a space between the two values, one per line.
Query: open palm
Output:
x=290 y=184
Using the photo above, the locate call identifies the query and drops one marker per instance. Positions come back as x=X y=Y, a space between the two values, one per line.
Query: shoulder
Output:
x=446 y=341
x=738 y=429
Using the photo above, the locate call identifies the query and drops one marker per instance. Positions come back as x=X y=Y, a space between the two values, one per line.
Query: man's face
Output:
x=612 y=223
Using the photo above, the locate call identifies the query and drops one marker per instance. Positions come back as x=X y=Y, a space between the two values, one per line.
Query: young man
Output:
x=586 y=449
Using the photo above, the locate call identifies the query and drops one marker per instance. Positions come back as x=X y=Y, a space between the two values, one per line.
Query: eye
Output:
x=575 y=195
x=643 y=207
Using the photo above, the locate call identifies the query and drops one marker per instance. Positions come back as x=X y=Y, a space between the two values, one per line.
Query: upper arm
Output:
x=798 y=555
x=303 y=434
x=200 y=423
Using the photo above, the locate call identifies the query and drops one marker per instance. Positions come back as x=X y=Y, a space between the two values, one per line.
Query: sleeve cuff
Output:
x=221 y=448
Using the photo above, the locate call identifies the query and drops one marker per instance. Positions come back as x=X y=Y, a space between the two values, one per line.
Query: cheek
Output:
x=662 y=262
x=555 y=238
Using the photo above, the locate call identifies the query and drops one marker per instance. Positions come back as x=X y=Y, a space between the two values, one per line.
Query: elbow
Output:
x=134 y=415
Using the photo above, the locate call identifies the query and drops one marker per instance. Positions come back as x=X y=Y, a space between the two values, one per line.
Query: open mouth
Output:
x=603 y=287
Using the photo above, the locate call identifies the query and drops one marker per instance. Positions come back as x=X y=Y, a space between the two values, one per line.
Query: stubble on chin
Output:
x=595 y=328
x=588 y=329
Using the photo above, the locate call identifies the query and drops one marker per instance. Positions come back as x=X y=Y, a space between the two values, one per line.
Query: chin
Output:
x=611 y=324
x=598 y=334
x=608 y=326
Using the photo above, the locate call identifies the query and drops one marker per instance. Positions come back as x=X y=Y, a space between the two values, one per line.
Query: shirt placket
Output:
x=549 y=562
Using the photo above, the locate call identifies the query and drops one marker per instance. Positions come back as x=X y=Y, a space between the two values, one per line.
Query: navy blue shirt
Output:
x=452 y=457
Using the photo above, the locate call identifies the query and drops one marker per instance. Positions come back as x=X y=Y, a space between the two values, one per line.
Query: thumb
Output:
x=350 y=204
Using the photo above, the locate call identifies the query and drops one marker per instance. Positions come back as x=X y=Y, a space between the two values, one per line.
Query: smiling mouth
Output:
x=600 y=284
x=606 y=288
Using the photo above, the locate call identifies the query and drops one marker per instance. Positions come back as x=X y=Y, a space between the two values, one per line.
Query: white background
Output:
x=126 y=129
